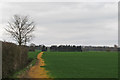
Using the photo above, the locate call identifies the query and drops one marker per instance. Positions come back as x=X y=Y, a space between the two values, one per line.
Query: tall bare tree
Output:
x=20 y=28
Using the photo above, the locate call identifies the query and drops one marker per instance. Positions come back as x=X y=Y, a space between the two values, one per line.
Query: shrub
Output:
x=14 y=58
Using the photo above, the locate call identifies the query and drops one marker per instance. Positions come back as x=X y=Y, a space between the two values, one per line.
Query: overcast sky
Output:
x=79 y=23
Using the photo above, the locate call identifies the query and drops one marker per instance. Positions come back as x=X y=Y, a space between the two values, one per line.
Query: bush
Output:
x=14 y=58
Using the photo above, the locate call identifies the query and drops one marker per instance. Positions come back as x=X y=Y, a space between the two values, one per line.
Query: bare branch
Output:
x=20 y=29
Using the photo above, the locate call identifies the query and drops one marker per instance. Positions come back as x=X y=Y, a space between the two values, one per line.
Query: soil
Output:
x=38 y=70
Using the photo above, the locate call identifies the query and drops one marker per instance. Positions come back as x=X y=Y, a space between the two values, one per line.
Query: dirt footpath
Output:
x=37 y=71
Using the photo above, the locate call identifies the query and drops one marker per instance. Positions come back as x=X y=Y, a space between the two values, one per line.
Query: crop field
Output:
x=81 y=64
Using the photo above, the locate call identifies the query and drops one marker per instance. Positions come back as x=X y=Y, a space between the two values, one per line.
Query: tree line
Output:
x=65 y=48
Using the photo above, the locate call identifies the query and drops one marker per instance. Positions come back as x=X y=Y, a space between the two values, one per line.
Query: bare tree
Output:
x=20 y=28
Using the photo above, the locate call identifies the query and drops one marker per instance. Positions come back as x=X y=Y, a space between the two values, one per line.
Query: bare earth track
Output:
x=37 y=71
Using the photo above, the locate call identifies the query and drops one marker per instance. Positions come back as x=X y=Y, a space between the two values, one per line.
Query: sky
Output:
x=74 y=23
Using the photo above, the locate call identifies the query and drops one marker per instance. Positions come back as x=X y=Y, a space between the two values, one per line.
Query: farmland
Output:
x=81 y=64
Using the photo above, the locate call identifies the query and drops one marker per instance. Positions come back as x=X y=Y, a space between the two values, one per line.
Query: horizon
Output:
x=66 y=44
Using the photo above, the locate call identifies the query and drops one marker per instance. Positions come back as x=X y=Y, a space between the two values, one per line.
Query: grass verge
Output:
x=31 y=56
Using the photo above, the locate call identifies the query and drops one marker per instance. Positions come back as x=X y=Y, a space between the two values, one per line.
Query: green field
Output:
x=81 y=64
x=33 y=55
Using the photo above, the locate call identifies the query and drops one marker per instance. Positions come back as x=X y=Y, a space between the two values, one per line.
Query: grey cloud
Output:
x=69 y=22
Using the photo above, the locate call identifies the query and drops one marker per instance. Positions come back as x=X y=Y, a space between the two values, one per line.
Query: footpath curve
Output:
x=37 y=71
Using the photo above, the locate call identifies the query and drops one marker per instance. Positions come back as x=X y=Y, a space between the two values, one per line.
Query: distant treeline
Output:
x=73 y=48
x=66 y=48
x=61 y=48
x=40 y=47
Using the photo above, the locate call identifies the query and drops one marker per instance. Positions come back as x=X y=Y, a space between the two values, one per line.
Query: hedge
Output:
x=14 y=58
